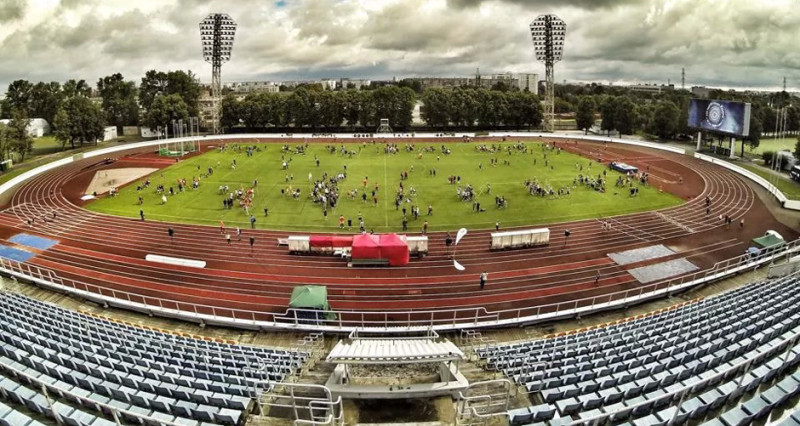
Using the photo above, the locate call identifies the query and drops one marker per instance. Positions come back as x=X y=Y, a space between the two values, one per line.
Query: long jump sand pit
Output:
x=104 y=180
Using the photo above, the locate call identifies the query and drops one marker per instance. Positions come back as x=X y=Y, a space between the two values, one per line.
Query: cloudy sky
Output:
x=729 y=43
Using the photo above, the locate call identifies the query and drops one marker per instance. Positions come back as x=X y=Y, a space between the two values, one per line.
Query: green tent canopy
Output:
x=311 y=297
x=767 y=240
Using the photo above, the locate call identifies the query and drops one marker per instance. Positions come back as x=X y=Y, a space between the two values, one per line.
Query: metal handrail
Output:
x=400 y=321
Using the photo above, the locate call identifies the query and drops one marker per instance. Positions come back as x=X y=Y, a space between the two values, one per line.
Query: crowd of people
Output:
x=324 y=188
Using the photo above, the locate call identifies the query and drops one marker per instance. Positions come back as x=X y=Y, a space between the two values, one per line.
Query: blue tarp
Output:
x=7 y=252
x=40 y=243
x=622 y=167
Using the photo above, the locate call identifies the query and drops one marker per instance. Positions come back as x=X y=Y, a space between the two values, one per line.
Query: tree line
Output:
x=482 y=108
x=76 y=117
x=312 y=107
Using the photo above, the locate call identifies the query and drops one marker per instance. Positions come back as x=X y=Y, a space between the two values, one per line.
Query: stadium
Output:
x=460 y=272
x=421 y=313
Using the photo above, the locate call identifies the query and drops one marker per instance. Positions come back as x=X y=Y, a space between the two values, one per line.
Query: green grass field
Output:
x=790 y=188
x=205 y=206
x=772 y=144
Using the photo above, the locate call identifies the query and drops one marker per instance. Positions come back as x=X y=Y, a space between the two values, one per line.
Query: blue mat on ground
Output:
x=624 y=168
x=7 y=252
x=40 y=243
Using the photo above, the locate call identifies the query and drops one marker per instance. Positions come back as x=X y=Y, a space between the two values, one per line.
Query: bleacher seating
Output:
x=95 y=369
x=671 y=366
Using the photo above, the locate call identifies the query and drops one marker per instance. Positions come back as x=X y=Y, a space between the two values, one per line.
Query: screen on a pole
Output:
x=728 y=117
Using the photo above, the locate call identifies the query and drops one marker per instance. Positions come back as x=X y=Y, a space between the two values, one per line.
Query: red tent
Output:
x=366 y=246
x=342 y=240
x=328 y=241
x=321 y=241
x=395 y=249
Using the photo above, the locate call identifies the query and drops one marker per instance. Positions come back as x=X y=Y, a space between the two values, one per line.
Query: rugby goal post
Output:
x=384 y=126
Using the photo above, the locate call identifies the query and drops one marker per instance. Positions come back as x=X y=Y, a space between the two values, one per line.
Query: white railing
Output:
x=403 y=321
x=772 y=189
x=592 y=138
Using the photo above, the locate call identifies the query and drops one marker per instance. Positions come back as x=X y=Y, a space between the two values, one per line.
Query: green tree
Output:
x=19 y=140
x=119 y=100
x=501 y=86
x=351 y=104
x=45 y=100
x=229 y=112
x=465 y=103
x=79 y=120
x=523 y=110
x=436 y=106
x=331 y=109
x=754 y=138
x=160 y=83
x=608 y=113
x=665 y=120
x=74 y=88
x=164 y=110
x=4 y=142
x=562 y=106
x=584 y=116
x=493 y=107
x=624 y=115
x=302 y=107
x=18 y=98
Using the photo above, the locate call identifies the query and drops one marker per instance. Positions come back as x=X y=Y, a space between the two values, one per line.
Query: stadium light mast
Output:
x=547 y=32
x=217 y=32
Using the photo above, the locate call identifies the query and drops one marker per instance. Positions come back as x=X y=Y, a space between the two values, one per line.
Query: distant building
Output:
x=37 y=128
x=521 y=81
x=701 y=91
x=328 y=84
x=355 y=83
x=254 y=87
x=652 y=88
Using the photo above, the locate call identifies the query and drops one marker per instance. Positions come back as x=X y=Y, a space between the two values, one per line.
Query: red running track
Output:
x=109 y=251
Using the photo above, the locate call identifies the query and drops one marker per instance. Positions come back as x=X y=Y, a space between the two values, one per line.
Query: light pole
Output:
x=548 y=32
x=217 y=32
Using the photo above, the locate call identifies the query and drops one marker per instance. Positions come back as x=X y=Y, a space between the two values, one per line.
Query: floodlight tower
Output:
x=217 y=32
x=547 y=32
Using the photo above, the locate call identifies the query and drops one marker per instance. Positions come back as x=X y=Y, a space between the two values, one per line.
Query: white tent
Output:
x=37 y=128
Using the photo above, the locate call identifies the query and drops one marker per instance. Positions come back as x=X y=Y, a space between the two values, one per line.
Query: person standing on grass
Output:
x=425 y=228
x=484 y=277
x=497 y=226
x=341 y=221
x=252 y=222
x=141 y=214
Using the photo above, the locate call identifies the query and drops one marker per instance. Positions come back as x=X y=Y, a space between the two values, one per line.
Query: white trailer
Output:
x=417 y=246
x=519 y=239
x=299 y=243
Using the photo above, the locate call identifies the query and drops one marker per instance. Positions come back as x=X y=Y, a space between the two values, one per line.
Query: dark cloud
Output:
x=534 y=4
x=733 y=43
x=12 y=10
